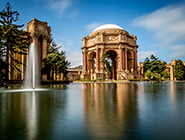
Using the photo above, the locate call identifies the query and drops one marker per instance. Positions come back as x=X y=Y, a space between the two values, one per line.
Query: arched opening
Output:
x=129 y=61
x=112 y=56
x=91 y=62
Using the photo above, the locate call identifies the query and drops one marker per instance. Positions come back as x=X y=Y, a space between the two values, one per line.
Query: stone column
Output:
x=121 y=59
x=126 y=68
x=44 y=48
x=35 y=40
x=85 y=61
x=171 y=73
x=135 y=61
x=44 y=54
x=101 y=55
x=97 y=57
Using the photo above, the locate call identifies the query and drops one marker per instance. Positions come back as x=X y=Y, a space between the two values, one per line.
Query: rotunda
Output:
x=121 y=48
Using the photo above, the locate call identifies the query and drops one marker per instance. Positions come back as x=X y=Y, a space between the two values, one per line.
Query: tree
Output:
x=155 y=66
x=179 y=70
x=55 y=62
x=13 y=40
x=165 y=74
x=149 y=74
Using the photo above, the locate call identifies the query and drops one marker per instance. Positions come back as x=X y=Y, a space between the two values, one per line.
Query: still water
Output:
x=116 y=111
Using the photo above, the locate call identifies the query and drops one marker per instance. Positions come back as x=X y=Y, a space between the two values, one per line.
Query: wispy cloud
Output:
x=142 y=55
x=179 y=52
x=75 y=57
x=59 y=5
x=93 y=25
x=168 y=25
x=74 y=13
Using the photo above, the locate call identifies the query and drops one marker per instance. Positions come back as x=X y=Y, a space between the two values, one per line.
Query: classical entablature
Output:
x=114 y=40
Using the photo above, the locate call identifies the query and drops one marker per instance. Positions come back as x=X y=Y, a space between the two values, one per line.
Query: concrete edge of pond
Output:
x=128 y=81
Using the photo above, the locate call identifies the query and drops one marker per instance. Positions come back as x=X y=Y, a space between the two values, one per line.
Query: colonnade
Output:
x=121 y=58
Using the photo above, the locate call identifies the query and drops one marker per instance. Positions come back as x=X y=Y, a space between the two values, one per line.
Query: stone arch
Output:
x=114 y=64
x=130 y=60
x=91 y=65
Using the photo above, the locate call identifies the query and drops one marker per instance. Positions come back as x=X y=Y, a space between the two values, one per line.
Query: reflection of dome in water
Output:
x=108 y=26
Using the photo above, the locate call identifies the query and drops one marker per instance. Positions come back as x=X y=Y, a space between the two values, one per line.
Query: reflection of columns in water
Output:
x=126 y=100
x=105 y=108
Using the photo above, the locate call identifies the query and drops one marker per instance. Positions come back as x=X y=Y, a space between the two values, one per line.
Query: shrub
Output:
x=144 y=80
x=129 y=79
x=99 y=79
x=93 y=80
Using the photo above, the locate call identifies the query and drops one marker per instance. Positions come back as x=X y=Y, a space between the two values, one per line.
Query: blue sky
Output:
x=159 y=25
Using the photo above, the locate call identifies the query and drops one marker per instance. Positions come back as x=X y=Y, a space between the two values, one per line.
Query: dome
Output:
x=108 y=26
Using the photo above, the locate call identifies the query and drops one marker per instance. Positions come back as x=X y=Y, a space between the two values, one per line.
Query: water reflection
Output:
x=95 y=111
x=29 y=115
x=110 y=110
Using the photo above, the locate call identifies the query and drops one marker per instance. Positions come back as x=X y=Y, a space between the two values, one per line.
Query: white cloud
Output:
x=59 y=5
x=179 y=52
x=74 y=13
x=142 y=55
x=75 y=57
x=93 y=25
x=167 y=25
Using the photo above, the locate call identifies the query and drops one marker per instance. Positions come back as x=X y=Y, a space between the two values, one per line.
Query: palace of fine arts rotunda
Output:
x=121 y=48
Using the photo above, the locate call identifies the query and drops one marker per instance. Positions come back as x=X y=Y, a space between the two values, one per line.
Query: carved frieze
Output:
x=91 y=41
x=40 y=27
x=131 y=41
x=112 y=38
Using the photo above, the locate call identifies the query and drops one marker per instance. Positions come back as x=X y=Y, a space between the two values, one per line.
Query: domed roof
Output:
x=108 y=26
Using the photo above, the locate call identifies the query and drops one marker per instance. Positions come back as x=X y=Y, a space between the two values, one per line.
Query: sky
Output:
x=159 y=25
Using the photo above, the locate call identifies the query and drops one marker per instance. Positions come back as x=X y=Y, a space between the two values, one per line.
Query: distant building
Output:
x=170 y=68
x=74 y=73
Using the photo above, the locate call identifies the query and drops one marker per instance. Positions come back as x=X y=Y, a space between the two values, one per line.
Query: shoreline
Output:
x=129 y=81
x=91 y=82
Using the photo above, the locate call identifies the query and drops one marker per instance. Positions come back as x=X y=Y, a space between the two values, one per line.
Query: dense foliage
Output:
x=179 y=70
x=13 y=40
x=154 y=68
x=55 y=62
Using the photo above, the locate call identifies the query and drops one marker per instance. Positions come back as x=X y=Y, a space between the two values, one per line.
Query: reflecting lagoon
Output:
x=95 y=111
